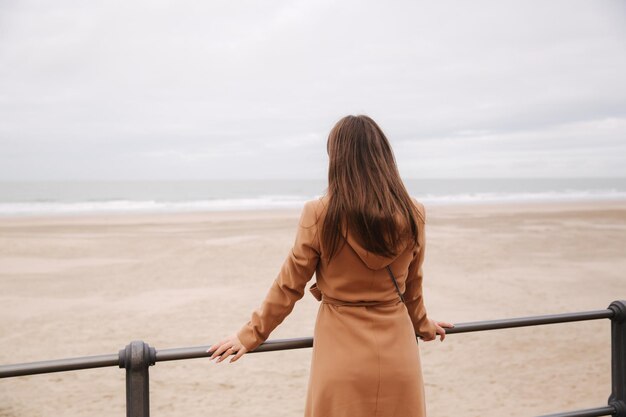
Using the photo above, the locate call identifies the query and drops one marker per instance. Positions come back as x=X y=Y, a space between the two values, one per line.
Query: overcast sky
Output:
x=250 y=89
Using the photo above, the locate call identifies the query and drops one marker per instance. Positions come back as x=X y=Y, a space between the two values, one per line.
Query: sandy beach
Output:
x=88 y=285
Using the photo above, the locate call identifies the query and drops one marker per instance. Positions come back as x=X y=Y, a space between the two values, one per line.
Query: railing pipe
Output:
x=590 y=412
x=58 y=365
x=163 y=355
x=71 y=364
x=530 y=321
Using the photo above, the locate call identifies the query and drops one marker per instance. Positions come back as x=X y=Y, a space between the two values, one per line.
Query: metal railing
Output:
x=138 y=356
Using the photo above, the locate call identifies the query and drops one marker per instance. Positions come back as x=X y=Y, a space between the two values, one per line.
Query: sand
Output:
x=87 y=285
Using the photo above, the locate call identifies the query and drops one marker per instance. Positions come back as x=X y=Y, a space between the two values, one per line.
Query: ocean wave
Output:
x=130 y=206
x=25 y=208
x=542 y=196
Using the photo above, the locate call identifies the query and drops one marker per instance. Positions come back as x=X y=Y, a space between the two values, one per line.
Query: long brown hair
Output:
x=366 y=193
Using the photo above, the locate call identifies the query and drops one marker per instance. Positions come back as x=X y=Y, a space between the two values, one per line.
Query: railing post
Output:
x=136 y=358
x=618 y=358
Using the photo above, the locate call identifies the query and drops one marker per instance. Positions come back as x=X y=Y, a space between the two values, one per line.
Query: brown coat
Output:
x=365 y=359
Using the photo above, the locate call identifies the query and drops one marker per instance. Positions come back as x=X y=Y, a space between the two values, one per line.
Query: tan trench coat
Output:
x=365 y=360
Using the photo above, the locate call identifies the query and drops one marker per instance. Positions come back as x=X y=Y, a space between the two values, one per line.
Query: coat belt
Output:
x=338 y=302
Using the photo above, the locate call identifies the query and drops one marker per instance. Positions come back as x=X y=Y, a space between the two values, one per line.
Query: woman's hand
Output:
x=440 y=329
x=230 y=344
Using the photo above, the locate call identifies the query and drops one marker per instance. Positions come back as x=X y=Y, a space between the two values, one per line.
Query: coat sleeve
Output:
x=289 y=286
x=414 y=299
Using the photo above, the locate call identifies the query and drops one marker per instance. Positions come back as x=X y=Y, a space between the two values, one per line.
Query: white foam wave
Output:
x=283 y=201
x=131 y=206
x=543 y=196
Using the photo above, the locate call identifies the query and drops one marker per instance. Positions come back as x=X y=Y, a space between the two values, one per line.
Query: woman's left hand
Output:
x=441 y=328
x=230 y=344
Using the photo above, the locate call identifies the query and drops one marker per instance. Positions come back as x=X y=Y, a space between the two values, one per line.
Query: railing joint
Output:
x=619 y=408
x=136 y=358
x=619 y=310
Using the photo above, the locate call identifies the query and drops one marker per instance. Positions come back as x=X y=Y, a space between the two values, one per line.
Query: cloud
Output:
x=120 y=90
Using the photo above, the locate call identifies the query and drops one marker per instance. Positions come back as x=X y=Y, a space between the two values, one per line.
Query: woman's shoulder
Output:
x=313 y=211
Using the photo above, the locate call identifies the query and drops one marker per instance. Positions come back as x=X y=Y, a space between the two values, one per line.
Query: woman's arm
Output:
x=423 y=326
x=289 y=285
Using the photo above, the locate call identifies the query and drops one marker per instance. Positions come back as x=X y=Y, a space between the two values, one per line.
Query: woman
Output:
x=365 y=229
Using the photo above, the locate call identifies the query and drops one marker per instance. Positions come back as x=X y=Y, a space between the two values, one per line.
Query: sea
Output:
x=24 y=198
